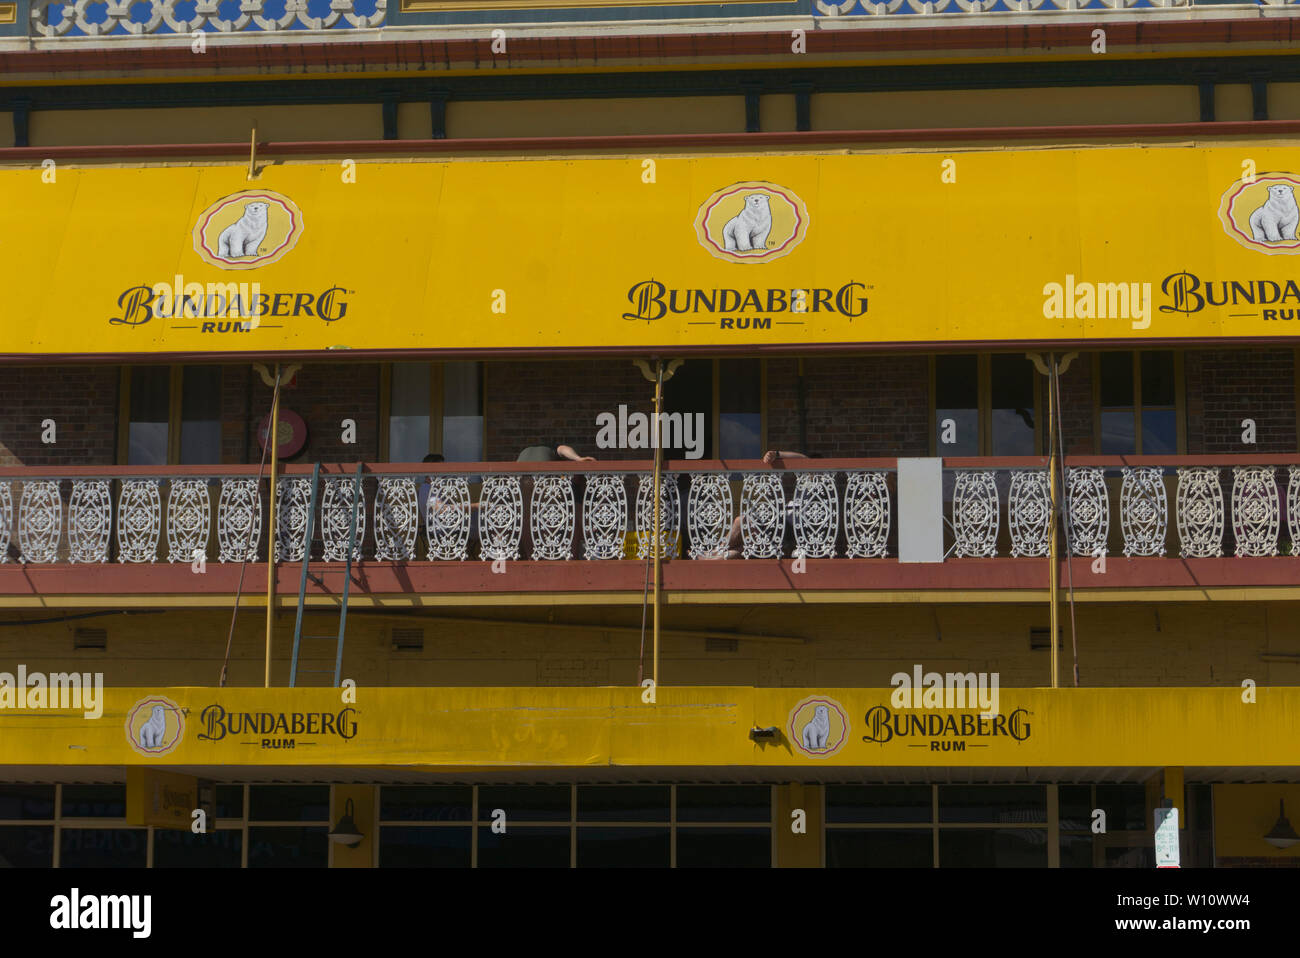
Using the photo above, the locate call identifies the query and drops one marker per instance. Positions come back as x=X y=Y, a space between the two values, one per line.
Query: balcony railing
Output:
x=1194 y=507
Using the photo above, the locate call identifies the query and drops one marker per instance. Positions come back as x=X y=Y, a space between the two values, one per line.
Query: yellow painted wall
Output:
x=1284 y=101
x=1233 y=103
x=597 y=117
x=1030 y=107
x=1243 y=814
x=207 y=124
x=6 y=129
x=1201 y=644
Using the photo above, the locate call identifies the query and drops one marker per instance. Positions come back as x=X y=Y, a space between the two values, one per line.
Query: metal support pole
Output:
x=659 y=399
x=1053 y=416
x=271 y=437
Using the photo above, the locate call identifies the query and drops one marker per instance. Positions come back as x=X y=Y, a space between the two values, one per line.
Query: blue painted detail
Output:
x=597 y=14
x=19 y=27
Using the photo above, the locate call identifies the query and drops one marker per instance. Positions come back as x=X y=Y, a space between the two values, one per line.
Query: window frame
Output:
x=984 y=400
x=1179 y=405
x=716 y=436
x=437 y=384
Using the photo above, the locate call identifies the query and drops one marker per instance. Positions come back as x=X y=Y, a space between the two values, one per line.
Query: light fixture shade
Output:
x=1282 y=835
x=346 y=831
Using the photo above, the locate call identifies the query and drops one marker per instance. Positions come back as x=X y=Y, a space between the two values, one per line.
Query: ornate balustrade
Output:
x=1195 y=508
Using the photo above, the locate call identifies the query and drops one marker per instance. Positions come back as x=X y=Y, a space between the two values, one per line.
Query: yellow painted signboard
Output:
x=1061 y=245
x=571 y=727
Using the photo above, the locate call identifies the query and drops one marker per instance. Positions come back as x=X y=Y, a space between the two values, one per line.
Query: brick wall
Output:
x=82 y=401
x=323 y=395
x=1225 y=386
x=1076 y=406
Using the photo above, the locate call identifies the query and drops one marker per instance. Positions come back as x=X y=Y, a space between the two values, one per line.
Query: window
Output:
x=985 y=405
x=172 y=415
x=740 y=409
x=435 y=407
x=1138 y=397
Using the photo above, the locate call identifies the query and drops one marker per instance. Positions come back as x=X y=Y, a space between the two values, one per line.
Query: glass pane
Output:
x=270 y=847
x=1159 y=432
x=1125 y=807
x=94 y=801
x=878 y=803
x=1118 y=437
x=879 y=848
x=525 y=803
x=103 y=847
x=1012 y=387
x=201 y=414
x=150 y=405
x=408 y=412
x=1076 y=851
x=724 y=803
x=462 y=412
x=956 y=397
x=1116 y=380
x=624 y=848
x=183 y=849
x=230 y=801
x=740 y=435
x=26 y=801
x=1075 y=807
x=992 y=803
x=415 y=847
x=740 y=408
x=523 y=848
x=289 y=803
x=425 y=803
x=1157 y=379
x=26 y=846
x=1139 y=856
x=623 y=803
x=689 y=394
x=724 y=847
x=993 y=848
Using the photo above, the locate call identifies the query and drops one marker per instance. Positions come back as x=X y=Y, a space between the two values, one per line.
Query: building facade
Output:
x=938 y=327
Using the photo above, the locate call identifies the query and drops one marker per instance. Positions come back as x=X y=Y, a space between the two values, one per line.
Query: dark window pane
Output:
x=993 y=848
x=462 y=412
x=702 y=847
x=624 y=848
x=201 y=414
x=184 y=849
x=879 y=848
x=1076 y=851
x=993 y=804
x=524 y=803
x=408 y=412
x=1013 y=405
x=724 y=803
x=289 y=803
x=1118 y=435
x=230 y=801
x=1159 y=432
x=94 y=801
x=688 y=393
x=150 y=412
x=415 y=847
x=1116 y=380
x=1157 y=378
x=26 y=801
x=1139 y=856
x=1075 y=807
x=956 y=397
x=523 y=848
x=739 y=436
x=26 y=846
x=425 y=803
x=1125 y=807
x=288 y=847
x=623 y=803
x=103 y=848
x=740 y=408
x=878 y=803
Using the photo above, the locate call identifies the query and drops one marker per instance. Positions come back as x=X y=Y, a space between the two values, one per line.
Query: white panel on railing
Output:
x=762 y=515
x=604 y=516
x=552 y=516
x=816 y=514
x=239 y=520
x=336 y=518
x=40 y=520
x=139 y=520
x=189 y=516
x=1143 y=511
x=1088 y=510
x=500 y=518
x=90 y=520
x=976 y=513
x=1200 y=511
x=1256 y=518
x=447 y=514
x=397 y=519
x=292 y=512
x=670 y=519
x=6 y=520
x=1293 y=509
x=709 y=515
x=1029 y=513
x=866 y=514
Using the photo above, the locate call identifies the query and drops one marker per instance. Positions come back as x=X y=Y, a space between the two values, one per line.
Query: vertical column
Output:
x=795 y=849
x=1053 y=827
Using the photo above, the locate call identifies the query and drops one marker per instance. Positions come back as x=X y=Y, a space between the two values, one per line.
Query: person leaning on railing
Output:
x=734 y=539
x=552 y=454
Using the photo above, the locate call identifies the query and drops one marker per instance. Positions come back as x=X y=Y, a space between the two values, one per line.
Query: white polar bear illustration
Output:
x=816 y=732
x=1276 y=220
x=748 y=229
x=152 y=731
x=245 y=235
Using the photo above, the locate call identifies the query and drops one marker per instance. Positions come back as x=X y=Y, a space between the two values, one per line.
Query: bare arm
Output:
x=772 y=455
x=568 y=453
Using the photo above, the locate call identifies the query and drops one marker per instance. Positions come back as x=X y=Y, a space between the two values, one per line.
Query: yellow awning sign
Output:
x=1068 y=245
x=685 y=727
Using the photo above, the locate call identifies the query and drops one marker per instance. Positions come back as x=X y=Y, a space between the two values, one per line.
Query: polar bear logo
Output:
x=152 y=731
x=748 y=229
x=817 y=731
x=245 y=235
x=1276 y=220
